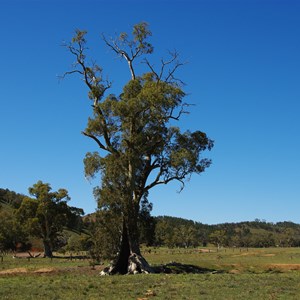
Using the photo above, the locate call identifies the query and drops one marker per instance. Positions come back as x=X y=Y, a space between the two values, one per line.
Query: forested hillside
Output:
x=42 y=220
x=175 y=232
x=9 y=197
x=87 y=232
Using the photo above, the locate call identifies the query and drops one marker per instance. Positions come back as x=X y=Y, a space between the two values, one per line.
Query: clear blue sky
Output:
x=243 y=75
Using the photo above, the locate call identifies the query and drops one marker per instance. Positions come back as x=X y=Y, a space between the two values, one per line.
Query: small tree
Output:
x=46 y=215
x=164 y=234
x=185 y=236
x=218 y=238
x=139 y=146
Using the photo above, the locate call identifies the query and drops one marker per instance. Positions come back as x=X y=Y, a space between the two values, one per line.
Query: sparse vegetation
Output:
x=87 y=233
x=192 y=260
x=227 y=274
x=189 y=270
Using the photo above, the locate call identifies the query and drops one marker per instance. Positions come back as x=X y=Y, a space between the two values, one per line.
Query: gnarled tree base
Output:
x=136 y=265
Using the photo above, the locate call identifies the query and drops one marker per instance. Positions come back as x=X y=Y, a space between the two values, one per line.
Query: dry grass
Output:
x=242 y=274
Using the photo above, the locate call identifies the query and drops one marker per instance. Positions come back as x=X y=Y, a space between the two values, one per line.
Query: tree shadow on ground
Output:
x=72 y=257
x=178 y=268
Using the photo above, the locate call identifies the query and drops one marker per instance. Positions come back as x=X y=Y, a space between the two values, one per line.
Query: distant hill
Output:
x=178 y=232
x=11 y=198
x=258 y=233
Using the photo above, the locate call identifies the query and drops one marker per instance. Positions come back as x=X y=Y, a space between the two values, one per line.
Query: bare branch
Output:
x=92 y=77
x=152 y=69
x=180 y=113
x=157 y=181
x=61 y=77
x=121 y=52
x=172 y=71
x=166 y=63
x=169 y=77
x=96 y=140
x=105 y=130
x=149 y=167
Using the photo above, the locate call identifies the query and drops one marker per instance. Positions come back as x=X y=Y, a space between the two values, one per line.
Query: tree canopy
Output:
x=46 y=216
x=140 y=146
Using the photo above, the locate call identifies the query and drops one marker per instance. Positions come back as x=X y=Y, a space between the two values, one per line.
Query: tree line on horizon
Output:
x=23 y=227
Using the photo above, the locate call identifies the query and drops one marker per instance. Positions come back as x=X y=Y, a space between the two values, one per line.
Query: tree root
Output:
x=136 y=265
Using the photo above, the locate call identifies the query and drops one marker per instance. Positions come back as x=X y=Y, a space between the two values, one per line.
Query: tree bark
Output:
x=129 y=259
x=121 y=263
x=47 y=249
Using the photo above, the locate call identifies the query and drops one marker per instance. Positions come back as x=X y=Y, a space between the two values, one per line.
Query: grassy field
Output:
x=227 y=274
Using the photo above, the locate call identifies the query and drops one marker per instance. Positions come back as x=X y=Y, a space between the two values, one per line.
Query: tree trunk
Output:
x=129 y=259
x=47 y=249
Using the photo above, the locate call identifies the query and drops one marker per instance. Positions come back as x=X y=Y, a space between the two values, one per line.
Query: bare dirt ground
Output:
x=25 y=270
x=32 y=269
x=75 y=269
x=285 y=267
x=206 y=251
x=28 y=254
x=13 y=271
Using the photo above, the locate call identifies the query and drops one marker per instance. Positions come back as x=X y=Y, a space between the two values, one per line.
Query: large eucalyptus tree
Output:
x=139 y=145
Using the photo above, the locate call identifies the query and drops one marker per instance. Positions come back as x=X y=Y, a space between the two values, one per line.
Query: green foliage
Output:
x=139 y=42
x=178 y=232
x=164 y=234
x=146 y=224
x=10 y=197
x=78 y=242
x=12 y=234
x=105 y=229
x=173 y=232
x=139 y=146
x=46 y=216
x=218 y=238
x=92 y=164
x=105 y=235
